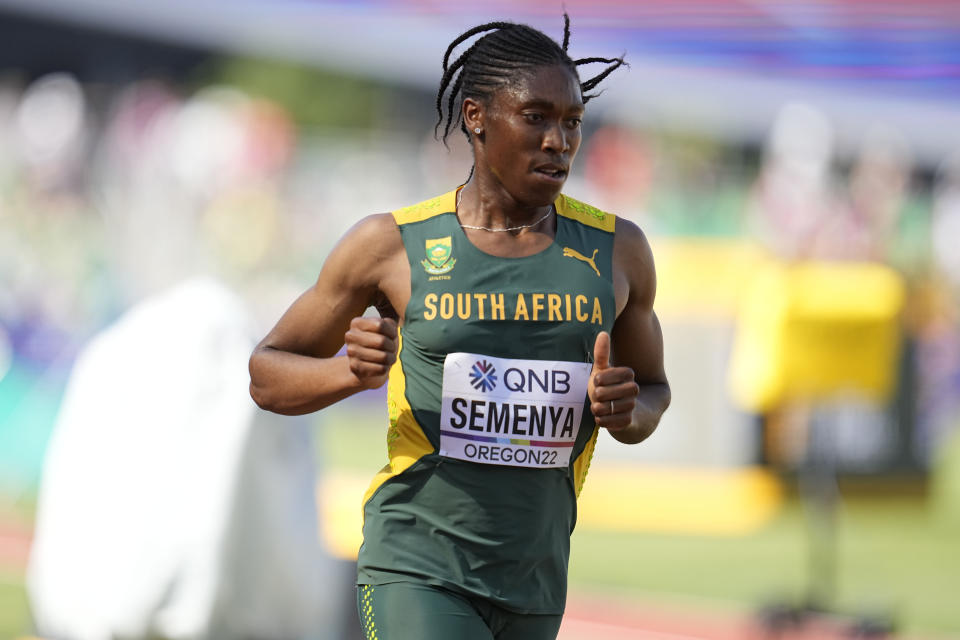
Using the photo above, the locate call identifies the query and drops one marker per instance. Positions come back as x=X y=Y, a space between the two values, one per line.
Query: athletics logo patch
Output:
x=483 y=376
x=440 y=258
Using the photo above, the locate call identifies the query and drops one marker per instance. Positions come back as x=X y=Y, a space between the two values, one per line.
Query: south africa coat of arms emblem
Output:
x=440 y=258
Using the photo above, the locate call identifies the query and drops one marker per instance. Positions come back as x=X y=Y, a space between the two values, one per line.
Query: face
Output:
x=531 y=133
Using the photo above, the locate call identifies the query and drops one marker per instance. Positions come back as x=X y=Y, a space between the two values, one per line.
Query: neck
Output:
x=494 y=208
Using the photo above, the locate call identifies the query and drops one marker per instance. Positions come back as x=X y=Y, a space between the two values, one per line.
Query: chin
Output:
x=552 y=196
x=537 y=201
x=535 y=193
x=543 y=195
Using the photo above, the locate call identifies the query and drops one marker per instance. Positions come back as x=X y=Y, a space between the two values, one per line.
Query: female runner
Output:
x=515 y=324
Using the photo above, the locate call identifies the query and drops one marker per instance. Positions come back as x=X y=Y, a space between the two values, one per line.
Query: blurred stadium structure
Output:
x=145 y=143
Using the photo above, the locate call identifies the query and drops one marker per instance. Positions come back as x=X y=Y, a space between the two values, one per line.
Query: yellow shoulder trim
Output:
x=406 y=441
x=427 y=209
x=584 y=213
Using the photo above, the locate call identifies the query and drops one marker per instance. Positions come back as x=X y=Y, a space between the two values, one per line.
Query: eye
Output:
x=574 y=123
x=533 y=116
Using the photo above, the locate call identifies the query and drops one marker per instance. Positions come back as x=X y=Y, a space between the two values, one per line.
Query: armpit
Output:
x=383 y=306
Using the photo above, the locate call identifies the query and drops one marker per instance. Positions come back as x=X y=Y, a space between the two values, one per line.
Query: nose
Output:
x=555 y=139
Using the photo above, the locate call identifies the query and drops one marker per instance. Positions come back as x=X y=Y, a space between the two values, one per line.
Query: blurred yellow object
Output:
x=615 y=498
x=340 y=496
x=702 y=278
x=812 y=330
x=696 y=501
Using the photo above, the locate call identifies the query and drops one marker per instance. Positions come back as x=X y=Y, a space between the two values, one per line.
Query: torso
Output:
x=449 y=513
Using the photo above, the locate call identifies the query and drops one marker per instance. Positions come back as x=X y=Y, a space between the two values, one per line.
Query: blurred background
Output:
x=796 y=166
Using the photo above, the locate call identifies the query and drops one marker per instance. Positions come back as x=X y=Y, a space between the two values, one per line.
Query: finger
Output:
x=370 y=340
x=601 y=351
x=388 y=327
x=383 y=326
x=368 y=369
x=610 y=407
x=612 y=377
x=374 y=356
x=624 y=390
x=613 y=408
x=614 y=421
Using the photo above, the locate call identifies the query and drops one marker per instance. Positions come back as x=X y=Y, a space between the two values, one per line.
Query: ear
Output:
x=473 y=113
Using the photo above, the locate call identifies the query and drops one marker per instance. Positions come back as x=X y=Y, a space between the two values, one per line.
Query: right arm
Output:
x=295 y=369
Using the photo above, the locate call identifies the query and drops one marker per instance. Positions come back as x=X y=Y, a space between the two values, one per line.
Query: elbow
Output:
x=667 y=397
x=649 y=412
x=267 y=400
x=664 y=396
x=260 y=397
x=270 y=402
x=259 y=390
x=268 y=391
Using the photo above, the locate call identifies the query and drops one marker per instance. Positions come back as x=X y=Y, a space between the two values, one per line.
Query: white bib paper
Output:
x=521 y=413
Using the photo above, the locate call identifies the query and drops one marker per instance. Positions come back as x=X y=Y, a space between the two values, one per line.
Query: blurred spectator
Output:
x=618 y=171
x=945 y=229
x=793 y=198
x=169 y=504
x=938 y=324
x=53 y=131
x=866 y=228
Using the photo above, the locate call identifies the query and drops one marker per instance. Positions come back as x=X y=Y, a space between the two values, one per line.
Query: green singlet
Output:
x=490 y=431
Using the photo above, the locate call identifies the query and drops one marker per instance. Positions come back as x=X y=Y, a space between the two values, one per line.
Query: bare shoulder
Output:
x=378 y=233
x=633 y=262
x=631 y=240
x=367 y=249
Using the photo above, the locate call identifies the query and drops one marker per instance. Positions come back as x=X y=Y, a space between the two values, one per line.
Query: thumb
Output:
x=601 y=351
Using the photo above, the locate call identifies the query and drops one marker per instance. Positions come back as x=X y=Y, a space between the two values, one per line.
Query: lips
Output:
x=552 y=171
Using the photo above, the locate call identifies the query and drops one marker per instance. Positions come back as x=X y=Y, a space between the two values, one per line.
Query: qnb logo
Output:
x=483 y=376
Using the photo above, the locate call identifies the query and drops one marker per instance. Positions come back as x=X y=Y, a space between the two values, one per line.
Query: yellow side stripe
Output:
x=406 y=441
x=582 y=464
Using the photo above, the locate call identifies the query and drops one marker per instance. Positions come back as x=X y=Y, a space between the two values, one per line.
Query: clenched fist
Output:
x=612 y=390
x=372 y=349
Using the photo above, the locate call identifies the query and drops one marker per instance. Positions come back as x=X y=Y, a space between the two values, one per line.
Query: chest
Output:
x=547 y=305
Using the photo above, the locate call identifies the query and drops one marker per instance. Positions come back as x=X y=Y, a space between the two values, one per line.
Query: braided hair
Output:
x=497 y=59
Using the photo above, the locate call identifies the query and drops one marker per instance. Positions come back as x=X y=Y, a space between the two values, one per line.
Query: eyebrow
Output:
x=546 y=104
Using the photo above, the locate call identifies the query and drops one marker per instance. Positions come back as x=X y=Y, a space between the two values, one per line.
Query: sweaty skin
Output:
x=530 y=133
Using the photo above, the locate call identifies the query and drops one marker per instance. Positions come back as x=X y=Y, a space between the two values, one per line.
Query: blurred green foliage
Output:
x=893 y=558
x=945 y=481
x=14 y=614
x=315 y=98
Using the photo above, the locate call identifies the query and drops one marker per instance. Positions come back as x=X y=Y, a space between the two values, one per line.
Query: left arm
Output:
x=628 y=366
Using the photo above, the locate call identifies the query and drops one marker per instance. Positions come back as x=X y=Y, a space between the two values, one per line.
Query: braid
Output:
x=498 y=58
x=490 y=26
x=587 y=85
x=454 y=90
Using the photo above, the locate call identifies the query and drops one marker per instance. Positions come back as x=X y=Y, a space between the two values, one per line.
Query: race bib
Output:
x=521 y=413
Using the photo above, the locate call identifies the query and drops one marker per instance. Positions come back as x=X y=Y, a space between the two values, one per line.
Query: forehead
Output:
x=555 y=84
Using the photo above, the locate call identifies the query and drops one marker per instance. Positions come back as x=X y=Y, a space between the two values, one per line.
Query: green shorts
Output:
x=410 y=611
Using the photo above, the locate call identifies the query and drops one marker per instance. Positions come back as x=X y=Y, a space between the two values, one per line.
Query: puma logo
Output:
x=573 y=253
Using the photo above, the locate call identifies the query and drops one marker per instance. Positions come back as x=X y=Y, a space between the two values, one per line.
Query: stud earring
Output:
x=477 y=131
